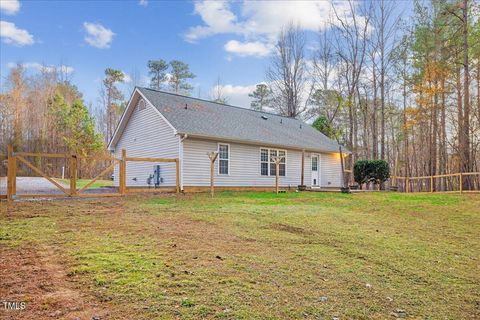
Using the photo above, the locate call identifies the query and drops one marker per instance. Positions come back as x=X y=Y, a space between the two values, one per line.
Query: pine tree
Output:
x=262 y=97
x=180 y=74
x=157 y=71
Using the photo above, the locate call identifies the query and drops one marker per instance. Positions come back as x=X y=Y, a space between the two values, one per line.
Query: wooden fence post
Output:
x=122 y=185
x=11 y=175
x=431 y=183
x=14 y=174
x=212 y=156
x=407 y=185
x=73 y=175
x=461 y=182
x=277 y=160
x=177 y=175
x=277 y=166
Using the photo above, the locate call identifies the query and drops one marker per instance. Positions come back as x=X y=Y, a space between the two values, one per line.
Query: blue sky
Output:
x=230 y=41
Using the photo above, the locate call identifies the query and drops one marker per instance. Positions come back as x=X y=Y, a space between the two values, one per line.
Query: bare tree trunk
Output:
x=433 y=155
x=443 y=134
x=461 y=137
x=466 y=166
x=374 y=115
x=405 y=128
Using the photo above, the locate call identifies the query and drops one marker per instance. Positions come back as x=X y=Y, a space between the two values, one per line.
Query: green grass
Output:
x=265 y=256
x=82 y=182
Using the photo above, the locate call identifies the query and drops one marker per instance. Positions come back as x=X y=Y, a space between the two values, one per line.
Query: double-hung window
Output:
x=223 y=158
x=264 y=162
x=267 y=165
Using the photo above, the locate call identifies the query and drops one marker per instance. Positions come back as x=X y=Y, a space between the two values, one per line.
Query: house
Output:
x=166 y=125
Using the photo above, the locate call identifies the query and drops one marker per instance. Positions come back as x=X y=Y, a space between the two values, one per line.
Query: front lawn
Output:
x=245 y=256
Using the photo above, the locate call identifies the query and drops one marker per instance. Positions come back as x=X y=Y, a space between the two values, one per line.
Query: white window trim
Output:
x=218 y=159
x=269 y=161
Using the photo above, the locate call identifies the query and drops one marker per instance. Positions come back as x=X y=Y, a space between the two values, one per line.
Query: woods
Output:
x=402 y=90
x=45 y=112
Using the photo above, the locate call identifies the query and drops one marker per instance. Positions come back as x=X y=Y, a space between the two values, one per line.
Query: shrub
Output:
x=367 y=171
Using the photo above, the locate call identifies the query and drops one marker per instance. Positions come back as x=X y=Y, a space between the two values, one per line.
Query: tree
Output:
x=351 y=35
x=76 y=126
x=286 y=73
x=112 y=99
x=217 y=94
x=467 y=167
x=180 y=74
x=37 y=112
x=401 y=64
x=324 y=126
x=386 y=24
x=157 y=71
x=326 y=103
x=261 y=97
x=16 y=101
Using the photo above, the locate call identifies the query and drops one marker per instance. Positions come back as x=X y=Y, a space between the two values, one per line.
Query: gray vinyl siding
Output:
x=245 y=166
x=147 y=135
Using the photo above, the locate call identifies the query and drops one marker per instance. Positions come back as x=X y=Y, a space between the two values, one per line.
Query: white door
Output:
x=315 y=171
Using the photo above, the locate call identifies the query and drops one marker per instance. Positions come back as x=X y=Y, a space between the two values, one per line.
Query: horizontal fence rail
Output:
x=451 y=182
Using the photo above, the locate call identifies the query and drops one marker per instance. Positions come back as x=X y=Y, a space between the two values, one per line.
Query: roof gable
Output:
x=135 y=98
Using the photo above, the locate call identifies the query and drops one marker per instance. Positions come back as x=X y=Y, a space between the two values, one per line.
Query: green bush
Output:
x=367 y=171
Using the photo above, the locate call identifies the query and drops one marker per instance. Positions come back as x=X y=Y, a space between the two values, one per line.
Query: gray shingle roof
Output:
x=198 y=117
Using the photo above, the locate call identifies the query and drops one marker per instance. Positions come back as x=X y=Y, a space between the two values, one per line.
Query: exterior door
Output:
x=315 y=171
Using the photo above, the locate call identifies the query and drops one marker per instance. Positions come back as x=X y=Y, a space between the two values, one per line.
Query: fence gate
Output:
x=101 y=169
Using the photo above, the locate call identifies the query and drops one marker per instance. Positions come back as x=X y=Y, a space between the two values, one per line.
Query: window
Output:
x=314 y=163
x=264 y=162
x=267 y=165
x=223 y=158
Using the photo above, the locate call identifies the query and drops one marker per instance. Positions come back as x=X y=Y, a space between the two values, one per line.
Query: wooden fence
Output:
x=14 y=158
x=454 y=182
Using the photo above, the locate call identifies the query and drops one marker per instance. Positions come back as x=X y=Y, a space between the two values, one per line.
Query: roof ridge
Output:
x=219 y=103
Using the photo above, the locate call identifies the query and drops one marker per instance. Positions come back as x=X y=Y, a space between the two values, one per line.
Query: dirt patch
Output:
x=36 y=277
x=289 y=228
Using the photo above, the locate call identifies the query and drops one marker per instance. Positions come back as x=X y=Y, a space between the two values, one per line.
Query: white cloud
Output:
x=97 y=35
x=260 y=21
x=143 y=3
x=126 y=77
x=243 y=49
x=9 y=6
x=217 y=18
x=268 y=17
x=43 y=67
x=236 y=95
x=13 y=35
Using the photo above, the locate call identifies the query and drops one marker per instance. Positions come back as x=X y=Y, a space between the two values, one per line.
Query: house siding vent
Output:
x=141 y=105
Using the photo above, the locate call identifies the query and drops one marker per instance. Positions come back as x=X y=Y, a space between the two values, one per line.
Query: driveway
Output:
x=39 y=185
